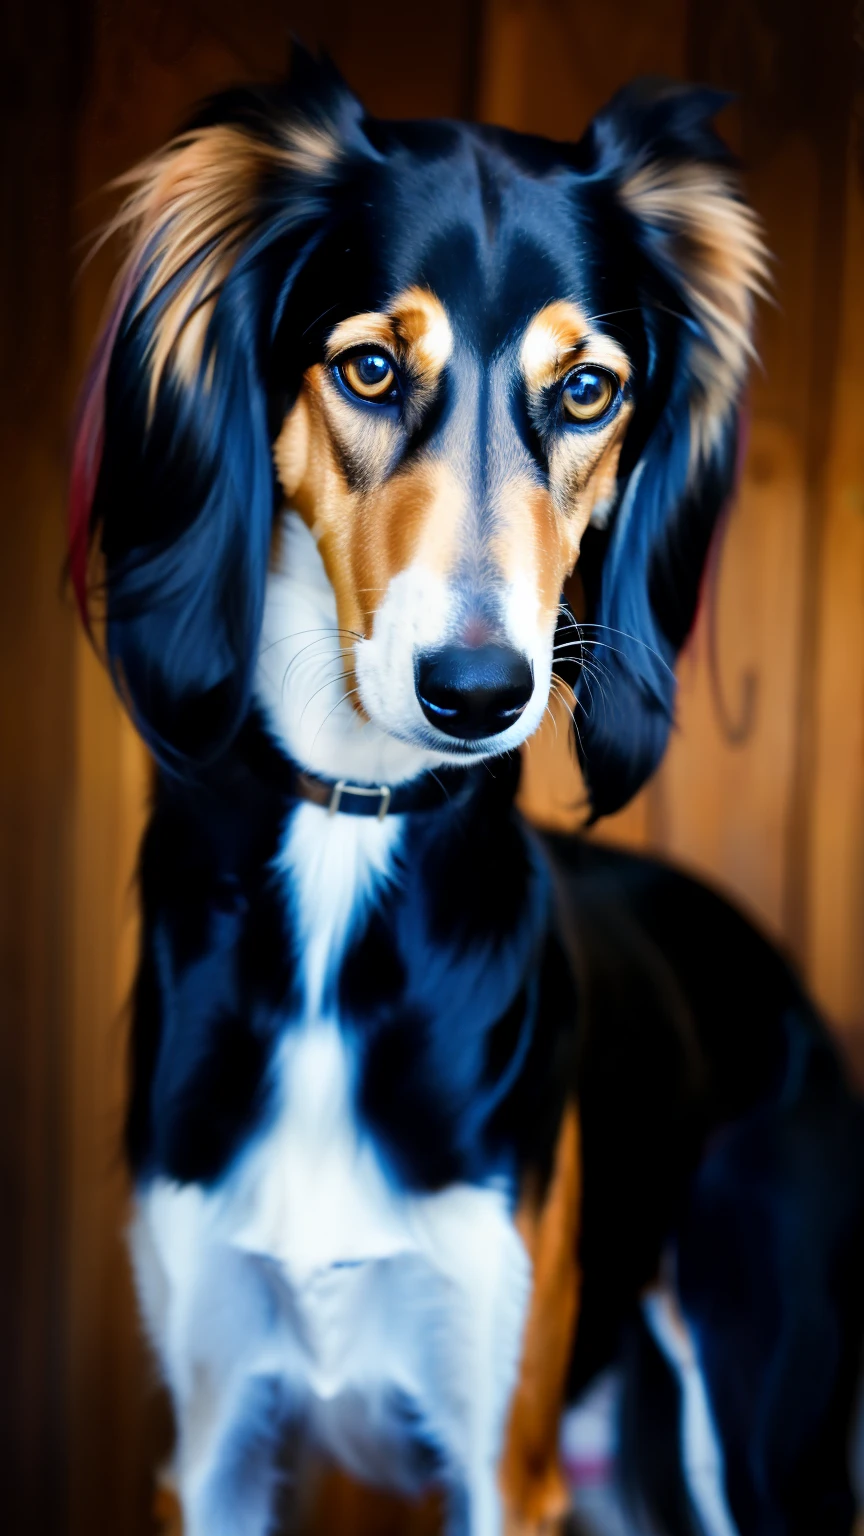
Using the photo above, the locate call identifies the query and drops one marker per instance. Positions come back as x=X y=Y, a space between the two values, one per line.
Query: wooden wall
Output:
x=37 y=649
x=762 y=788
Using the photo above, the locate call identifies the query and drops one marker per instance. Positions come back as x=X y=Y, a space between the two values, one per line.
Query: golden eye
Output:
x=588 y=393
x=369 y=375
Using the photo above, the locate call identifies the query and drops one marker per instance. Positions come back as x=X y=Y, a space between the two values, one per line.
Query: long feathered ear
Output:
x=665 y=179
x=172 y=477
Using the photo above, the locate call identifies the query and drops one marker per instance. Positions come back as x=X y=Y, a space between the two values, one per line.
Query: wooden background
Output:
x=763 y=787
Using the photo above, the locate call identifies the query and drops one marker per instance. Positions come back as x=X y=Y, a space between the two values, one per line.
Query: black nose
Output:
x=473 y=691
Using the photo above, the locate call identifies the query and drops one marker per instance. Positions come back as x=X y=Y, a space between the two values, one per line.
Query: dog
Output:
x=434 y=1116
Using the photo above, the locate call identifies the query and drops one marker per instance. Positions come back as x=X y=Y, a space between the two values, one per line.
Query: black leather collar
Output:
x=429 y=790
x=434 y=788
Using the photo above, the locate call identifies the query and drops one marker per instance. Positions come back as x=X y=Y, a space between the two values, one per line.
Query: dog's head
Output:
x=453 y=351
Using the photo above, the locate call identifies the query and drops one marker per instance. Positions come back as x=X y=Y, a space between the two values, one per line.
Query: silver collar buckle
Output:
x=382 y=793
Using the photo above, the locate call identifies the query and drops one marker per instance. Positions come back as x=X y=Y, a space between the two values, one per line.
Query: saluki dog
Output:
x=433 y=1116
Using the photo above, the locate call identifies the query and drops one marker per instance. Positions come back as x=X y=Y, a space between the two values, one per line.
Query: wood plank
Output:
x=722 y=798
x=547 y=67
x=837 y=824
x=40 y=48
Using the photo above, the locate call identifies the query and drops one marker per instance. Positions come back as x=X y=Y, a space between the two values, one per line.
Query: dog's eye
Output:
x=588 y=394
x=370 y=375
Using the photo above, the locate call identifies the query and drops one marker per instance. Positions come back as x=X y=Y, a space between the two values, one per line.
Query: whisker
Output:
x=629 y=309
x=578 y=734
x=580 y=702
x=343 y=699
x=566 y=612
x=301 y=660
x=557 y=689
x=602 y=691
x=610 y=629
x=329 y=684
x=569 y=713
x=572 y=717
x=307 y=661
x=319 y=629
x=589 y=660
x=321 y=317
x=342 y=650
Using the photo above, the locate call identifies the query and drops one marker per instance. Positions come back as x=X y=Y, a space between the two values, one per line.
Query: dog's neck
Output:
x=304 y=678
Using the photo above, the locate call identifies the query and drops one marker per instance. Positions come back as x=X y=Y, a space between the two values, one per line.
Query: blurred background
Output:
x=763 y=787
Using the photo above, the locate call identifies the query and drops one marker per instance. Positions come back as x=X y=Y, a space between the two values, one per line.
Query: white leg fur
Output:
x=701 y=1452
x=211 y=1327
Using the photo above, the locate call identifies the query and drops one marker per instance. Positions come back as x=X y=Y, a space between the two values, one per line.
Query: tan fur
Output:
x=532 y=1481
x=421 y=324
x=365 y=537
x=196 y=199
x=532 y=542
x=561 y=336
x=372 y=327
x=583 y=466
x=310 y=148
x=718 y=245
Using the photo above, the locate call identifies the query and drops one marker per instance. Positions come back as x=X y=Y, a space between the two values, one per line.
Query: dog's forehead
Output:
x=493 y=239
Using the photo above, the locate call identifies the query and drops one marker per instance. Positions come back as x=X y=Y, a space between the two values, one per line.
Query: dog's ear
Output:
x=172 y=477
x=674 y=207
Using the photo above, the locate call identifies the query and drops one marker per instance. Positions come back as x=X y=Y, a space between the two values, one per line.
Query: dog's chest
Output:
x=313 y=1193
x=381 y=1292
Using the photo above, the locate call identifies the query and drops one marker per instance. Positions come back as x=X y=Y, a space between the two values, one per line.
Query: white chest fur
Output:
x=381 y=1314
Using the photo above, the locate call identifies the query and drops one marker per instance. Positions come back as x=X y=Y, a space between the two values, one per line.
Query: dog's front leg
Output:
x=227 y=1462
x=528 y=1471
x=478 y=1249
x=214 y=1316
x=535 y=1491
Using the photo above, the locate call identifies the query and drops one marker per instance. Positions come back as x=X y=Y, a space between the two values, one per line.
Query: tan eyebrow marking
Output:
x=414 y=327
x=353 y=332
x=561 y=335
